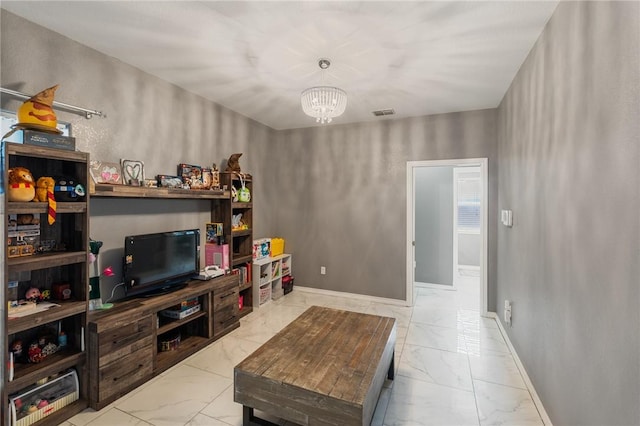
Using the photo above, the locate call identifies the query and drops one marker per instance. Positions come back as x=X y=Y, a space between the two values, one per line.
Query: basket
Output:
x=277 y=246
x=265 y=294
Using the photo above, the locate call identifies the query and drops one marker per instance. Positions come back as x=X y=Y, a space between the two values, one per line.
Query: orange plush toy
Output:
x=44 y=192
x=21 y=185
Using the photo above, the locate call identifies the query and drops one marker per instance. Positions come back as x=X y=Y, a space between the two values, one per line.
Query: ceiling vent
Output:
x=382 y=112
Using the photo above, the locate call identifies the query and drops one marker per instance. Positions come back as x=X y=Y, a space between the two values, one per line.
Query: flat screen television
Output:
x=161 y=262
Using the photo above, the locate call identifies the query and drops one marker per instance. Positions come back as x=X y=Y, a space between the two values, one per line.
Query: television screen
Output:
x=161 y=262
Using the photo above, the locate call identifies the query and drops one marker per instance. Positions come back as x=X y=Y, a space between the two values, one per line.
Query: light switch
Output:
x=506 y=217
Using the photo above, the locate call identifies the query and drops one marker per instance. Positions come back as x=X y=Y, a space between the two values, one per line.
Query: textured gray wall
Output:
x=434 y=225
x=148 y=119
x=569 y=154
x=338 y=195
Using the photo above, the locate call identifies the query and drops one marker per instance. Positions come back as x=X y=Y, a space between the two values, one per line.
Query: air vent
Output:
x=382 y=112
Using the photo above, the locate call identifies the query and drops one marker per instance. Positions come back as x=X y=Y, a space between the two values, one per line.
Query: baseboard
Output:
x=351 y=295
x=534 y=395
x=436 y=286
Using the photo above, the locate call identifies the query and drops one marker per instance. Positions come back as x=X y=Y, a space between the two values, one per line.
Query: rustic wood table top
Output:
x=335 y=355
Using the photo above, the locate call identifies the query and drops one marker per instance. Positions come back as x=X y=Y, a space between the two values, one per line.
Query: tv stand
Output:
x=127 y=342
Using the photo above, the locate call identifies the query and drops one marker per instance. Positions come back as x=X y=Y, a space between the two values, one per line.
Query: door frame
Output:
x=484 y=199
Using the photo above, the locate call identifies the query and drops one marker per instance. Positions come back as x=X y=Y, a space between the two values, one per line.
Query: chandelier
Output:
x=323 y=102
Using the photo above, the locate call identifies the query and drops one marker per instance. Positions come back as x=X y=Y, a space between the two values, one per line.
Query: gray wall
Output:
x=148 y=119
x=338 y=195
x=434 y=225
x=569 y=154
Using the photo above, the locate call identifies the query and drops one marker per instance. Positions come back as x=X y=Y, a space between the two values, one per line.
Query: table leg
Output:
x=248 y=419
x=392 y=371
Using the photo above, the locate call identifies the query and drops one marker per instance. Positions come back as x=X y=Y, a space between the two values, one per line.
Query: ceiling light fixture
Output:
x=323 y=102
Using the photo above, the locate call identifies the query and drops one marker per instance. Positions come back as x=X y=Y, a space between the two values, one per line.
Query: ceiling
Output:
x=419 y=58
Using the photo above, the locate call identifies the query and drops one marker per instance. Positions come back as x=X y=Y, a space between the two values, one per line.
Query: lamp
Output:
x=323 y=102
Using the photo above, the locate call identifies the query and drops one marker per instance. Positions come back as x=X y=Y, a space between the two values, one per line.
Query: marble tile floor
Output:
x=453 y=368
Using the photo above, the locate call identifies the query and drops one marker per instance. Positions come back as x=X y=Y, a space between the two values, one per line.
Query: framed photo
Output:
x=132 y=172
x=103 y=172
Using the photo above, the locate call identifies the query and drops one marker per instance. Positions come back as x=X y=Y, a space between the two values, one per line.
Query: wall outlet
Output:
x=323 y=270
x=507 y=312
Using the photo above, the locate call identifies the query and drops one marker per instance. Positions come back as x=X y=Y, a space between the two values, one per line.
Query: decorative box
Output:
x=191 y=175
x=277 y=246
x=61 y=291
x=215 y=254
x=50 y=140
x=168 y=181
x=180 y=313
x=214 y=230
x=36 y=402
x=261 y=248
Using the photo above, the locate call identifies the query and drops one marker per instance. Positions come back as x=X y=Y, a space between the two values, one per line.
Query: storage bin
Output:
x=276 y=290
x=287 y=284
x=36 y=402
x=277 y=246
x=265 y=294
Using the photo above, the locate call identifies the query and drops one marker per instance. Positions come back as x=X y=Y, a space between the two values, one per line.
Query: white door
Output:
x=412 y=167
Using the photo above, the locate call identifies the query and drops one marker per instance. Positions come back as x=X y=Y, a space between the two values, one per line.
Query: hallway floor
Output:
x=453 y=368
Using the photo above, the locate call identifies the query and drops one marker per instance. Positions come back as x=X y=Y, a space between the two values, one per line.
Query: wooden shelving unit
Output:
x=70 y=265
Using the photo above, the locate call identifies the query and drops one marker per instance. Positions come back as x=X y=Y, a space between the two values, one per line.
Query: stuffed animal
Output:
x=233 y=165
x=43 y=185
x=21 y=185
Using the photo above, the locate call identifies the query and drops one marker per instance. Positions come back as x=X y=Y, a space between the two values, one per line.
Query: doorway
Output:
x=450 y=198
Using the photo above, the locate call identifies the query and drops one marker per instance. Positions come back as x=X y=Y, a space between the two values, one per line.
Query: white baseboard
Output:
x=534 y=395
x=352 y=296
x=437 y=286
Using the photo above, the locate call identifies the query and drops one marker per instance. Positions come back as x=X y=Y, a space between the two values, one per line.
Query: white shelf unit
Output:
x=267 y=278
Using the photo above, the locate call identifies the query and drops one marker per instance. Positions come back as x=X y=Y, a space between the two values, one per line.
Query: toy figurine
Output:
x=16 y=349
x=33 y=294
x=35 y=353
x=233 y=164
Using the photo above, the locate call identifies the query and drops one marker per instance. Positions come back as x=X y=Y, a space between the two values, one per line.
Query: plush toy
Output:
x=37 y=112
x=233 y=164
x=45 y=192
x=21 y=185
x=42 y=185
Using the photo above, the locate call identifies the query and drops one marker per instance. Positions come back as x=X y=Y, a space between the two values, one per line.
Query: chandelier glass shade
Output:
x=323 y=102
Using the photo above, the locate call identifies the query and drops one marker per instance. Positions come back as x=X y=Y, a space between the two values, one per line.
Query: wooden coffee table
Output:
x=325 y=368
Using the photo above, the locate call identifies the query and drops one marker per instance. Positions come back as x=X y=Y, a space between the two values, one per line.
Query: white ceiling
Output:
x=419 y=58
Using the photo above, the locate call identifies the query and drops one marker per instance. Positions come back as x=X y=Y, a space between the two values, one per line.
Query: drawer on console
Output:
x=115 y=343
x=225 y=297
x=119 y=376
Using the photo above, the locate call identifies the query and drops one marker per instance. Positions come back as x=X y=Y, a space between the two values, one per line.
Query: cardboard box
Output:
x=215 y=254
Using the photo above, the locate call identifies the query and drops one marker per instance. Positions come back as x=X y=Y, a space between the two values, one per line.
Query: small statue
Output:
x=233 y=165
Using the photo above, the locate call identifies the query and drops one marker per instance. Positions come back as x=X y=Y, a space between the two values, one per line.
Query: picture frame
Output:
x=132 y=172
x=105 y=172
